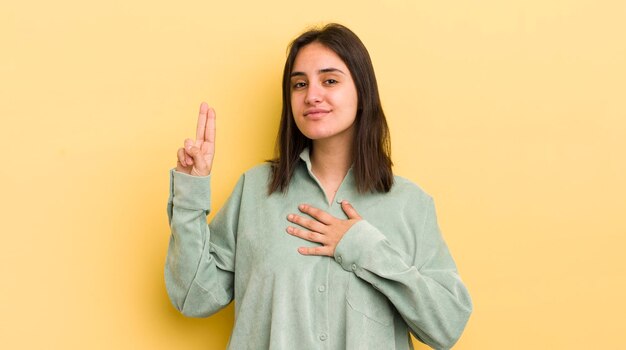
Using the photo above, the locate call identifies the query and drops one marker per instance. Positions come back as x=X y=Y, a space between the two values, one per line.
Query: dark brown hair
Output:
x=372 y=150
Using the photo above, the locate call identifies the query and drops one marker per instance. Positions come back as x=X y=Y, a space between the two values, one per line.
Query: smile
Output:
x=316 y=113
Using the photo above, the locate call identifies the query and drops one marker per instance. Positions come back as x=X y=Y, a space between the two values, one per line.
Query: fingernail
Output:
x=290 y=217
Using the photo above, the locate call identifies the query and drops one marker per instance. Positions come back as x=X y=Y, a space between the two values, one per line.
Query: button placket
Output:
x=321 y=297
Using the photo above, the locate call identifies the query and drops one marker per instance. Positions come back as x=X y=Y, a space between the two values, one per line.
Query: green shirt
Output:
x=391 y=273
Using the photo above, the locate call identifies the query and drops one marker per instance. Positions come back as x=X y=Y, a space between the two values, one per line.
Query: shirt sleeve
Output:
x=425 y=288
x=199 y=268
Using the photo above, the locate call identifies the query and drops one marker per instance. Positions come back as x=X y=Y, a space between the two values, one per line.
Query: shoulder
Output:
x=255 y=178
x=259 y=171
x=410 y=199
x=407 y=190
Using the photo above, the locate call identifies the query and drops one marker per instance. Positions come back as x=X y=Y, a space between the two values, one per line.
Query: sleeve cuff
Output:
x=355 y=245
x=190 y=192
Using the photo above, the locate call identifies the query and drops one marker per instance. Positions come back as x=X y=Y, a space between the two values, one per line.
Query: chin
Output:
x=316 y=134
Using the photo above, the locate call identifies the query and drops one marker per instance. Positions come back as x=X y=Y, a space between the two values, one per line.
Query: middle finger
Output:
x=310 y=224
x=307 y=235
x=202 y=121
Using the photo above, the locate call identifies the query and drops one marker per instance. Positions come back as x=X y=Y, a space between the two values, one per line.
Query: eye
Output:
x=331 y=81
x=299 y=85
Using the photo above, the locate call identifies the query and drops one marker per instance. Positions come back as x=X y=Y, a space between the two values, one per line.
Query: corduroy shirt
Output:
x=391 y=273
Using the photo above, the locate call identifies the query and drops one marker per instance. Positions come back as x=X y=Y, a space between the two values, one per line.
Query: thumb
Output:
x=199 y=163
x=349 y=210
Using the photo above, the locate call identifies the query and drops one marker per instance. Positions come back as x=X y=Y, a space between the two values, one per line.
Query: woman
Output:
x=323 y=247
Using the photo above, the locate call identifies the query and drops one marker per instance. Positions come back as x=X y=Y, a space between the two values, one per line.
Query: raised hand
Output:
x=323 y=228
x=196 y=157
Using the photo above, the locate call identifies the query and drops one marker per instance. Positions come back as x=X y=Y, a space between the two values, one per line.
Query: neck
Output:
x=330 y=161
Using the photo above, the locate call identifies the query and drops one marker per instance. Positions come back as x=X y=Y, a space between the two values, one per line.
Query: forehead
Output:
x=315 y=56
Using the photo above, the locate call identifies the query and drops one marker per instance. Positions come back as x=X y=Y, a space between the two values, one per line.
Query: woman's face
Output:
x=323 y=95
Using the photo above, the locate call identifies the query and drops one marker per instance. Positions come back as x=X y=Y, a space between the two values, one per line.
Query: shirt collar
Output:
x=348 y=184
x=305 y=155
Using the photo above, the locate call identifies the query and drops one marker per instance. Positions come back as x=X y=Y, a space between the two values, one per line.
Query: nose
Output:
x=314 y=94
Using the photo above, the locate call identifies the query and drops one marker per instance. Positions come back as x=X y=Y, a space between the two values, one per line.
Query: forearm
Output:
x=196 y=285
x=434 y=303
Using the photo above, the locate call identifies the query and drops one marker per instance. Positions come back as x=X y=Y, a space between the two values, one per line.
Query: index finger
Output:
x=317 y=214
x=202 y=119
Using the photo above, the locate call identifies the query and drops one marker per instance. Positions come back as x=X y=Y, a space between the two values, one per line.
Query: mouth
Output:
x=316 y=112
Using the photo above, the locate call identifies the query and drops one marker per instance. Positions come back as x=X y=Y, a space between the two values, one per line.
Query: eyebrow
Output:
x=324 y=70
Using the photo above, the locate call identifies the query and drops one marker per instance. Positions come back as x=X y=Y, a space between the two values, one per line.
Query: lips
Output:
x=315 y=112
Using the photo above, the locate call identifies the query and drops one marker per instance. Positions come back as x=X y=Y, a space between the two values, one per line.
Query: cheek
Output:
x=355 y=99
x=349 y=101
x=295 y=103
x=349 y=98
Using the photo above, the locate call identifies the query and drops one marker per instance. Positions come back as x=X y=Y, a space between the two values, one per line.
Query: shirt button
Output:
x=321 y=288
x=353 y=267
x=339 y=259
x=323 y=336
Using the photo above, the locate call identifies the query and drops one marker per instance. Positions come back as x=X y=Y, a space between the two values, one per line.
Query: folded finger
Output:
x=188 y=144
x=181 y=157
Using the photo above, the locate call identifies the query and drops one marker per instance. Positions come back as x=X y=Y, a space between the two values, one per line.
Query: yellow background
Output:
x=512 y=114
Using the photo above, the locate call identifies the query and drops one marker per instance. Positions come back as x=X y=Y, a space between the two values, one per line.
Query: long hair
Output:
x=372 y=149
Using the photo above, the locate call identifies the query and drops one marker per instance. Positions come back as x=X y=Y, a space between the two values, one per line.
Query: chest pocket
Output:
x=365 y=299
